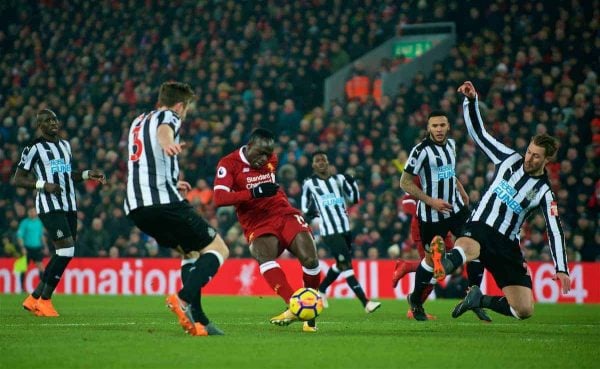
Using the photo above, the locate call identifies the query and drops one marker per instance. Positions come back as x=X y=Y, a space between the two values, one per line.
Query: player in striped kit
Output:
x=441 y=206
x=155 y=204
x=520 y=186
x=50 y=159
x=324 y=196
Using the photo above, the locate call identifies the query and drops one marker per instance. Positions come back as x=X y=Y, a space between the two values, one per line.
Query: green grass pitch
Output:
x=140 y=332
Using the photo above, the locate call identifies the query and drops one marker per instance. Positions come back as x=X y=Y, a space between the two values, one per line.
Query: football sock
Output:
x=37 y=293
x=186 y=266
x=411 y=265
x=54 y=272
x=356 y=287
x=200 y=272
x=275 y=277
x=453 y=260
x=475 y=273
x=497 y=303
x=423 y=277
x=311 y=277
x=426 y=292
x=331 y=276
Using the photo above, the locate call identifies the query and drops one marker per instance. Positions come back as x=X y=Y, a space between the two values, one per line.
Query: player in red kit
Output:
x=246 y=179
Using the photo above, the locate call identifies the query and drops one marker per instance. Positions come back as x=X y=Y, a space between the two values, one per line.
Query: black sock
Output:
x=475 y=273
x=358 y=291
x=22 y=280
x=329 y=279
x=452 y=261
x=201 y=272
x=37 y=293
x=38 y=290
x=422 y=281
x=185 y=271
x=54 y=273
x=497 y=303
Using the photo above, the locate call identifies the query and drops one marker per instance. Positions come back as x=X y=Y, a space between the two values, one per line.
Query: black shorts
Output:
x=174 y=225
x=453 y=224
x=500 y=256
x=60 y=225
x=340 y=246
x=35 y=254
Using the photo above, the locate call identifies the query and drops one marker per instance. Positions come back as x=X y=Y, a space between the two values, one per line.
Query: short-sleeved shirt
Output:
x=50 y=162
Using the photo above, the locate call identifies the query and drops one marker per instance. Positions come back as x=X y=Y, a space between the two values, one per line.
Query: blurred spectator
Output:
x=95 y=241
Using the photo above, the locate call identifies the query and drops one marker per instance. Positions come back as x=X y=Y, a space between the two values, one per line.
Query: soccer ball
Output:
x=306 y=303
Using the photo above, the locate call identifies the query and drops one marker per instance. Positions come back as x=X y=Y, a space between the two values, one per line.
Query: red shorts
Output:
x=284 y=227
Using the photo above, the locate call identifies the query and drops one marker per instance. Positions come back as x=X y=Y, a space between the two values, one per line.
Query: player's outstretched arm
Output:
x=493 y=148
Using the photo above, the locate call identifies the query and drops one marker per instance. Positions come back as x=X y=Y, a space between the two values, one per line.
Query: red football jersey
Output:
x=234 y=174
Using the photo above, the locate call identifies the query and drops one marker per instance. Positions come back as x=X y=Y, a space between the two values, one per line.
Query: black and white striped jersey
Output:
x=151 y=174
x=513 y=194
x=51 y=162
x=435 y=166
x=328 y=197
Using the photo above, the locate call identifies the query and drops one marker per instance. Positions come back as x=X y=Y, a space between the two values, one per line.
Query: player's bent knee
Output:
x=523 y=311
x=310 y=262
x=68 y=252
x=219 y=246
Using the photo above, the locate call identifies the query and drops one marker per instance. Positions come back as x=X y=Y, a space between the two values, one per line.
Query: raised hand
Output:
x=468 y=89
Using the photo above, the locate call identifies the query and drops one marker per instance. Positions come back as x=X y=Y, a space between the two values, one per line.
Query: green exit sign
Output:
x=411 y=49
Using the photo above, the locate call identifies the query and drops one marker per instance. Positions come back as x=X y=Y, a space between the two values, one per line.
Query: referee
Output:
x=441 y=206
x=30 y=237
x=49 y=158
x=324 y=196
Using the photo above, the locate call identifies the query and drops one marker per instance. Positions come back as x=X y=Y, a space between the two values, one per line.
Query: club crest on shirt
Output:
x=270 y=167
x=59 y=233
x=531 y=194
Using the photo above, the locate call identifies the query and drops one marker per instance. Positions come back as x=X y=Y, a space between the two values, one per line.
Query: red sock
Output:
x=426 y=293
x=275 y=277
x=311 y=277
x=412 y=265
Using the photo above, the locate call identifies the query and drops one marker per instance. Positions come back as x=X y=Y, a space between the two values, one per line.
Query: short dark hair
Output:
x=437 y=113
x=43 y=114
x=261 y=133
x=172 y=92
x=318 y=152
x=549 y=143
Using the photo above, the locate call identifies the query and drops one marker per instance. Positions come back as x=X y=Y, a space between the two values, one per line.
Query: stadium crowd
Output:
x=99 y=65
